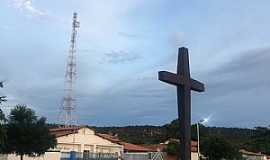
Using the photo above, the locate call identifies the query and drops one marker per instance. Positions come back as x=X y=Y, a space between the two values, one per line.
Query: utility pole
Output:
x=198 y=138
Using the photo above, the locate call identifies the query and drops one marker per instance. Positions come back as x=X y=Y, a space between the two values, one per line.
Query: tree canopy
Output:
x=173 y=148
x=27 y=134
x=259 y=141
x=216 y=148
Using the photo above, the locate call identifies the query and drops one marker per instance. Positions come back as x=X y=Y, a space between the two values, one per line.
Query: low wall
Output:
x=46 y=156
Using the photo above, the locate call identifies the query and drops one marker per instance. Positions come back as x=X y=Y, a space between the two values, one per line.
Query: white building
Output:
x=83 y=139
x=79 y=139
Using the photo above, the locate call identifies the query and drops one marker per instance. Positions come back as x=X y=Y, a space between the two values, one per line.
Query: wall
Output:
x=194 y=156
x=86 y=139
x=46 y=156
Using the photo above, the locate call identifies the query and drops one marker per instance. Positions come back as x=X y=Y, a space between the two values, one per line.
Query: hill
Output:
x=257 y=139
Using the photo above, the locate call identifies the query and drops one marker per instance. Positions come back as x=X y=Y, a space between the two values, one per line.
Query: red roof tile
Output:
x=128 y=147
x=109 y=137
x=64 y=131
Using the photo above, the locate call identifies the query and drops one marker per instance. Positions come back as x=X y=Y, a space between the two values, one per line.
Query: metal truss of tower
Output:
x=66 y=115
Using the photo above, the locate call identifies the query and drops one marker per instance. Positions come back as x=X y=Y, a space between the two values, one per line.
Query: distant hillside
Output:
x=136 y=134
x=256 y=140
x=156 y=134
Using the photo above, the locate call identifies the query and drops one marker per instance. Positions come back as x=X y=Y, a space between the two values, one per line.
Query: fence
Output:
x=111 y=156
x=88 y=156
x=144 y=156
x=136 y=156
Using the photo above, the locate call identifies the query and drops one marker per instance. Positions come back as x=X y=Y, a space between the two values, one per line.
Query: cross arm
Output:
x=170 y=78
x=197 y=86
x=177 y=80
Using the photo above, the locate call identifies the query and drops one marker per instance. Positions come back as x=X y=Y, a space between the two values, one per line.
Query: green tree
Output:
x=28 y=134
x=172 y=130
x=218 y=148
x=260 y=141
x=173 y=148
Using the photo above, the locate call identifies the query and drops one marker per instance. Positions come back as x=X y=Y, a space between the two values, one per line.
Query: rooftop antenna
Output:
x=66 y=115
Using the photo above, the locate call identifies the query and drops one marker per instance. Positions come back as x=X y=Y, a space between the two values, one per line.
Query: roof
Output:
x=161 y=147
x=64 y=131
x=193 y=143
x=143 y=147
x=250 y=153
x=128 y=147
x=156 y=147
x=135 y=148
x=60 y=131
x=109 y=137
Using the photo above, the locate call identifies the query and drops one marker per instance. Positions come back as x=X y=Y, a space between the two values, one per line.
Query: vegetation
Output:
x=173 y=148
x=255 y=140
x=218 y=148
x=260 y=141
x=136 y=134
x=27 y=134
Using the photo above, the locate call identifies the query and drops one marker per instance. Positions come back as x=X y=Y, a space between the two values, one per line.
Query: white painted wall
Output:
x=194 y=156
x=46 y=156
x=86 y=139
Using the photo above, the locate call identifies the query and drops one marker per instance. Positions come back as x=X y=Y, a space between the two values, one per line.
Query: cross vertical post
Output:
x=184 y=84
x=184 y=109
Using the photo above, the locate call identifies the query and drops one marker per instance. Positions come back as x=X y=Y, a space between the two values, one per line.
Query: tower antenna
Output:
x=66 y=115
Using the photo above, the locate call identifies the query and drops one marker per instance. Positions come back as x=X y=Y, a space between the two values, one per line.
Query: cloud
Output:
x=27 y=5
x=123 y=44
x=238 y=86
x=120 y=56
x=243 y=73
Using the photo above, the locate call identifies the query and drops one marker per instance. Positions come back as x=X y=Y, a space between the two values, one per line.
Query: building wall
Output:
x=46 y=156
x=194 y=156
x=86 y=140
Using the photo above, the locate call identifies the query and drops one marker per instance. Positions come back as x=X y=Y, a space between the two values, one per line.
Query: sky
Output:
x=121 y=46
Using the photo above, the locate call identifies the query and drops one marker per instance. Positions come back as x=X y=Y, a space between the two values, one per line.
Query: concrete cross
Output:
x=184 y=85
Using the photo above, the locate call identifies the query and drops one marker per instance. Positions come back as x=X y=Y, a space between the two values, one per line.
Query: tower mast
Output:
x=68 y=107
